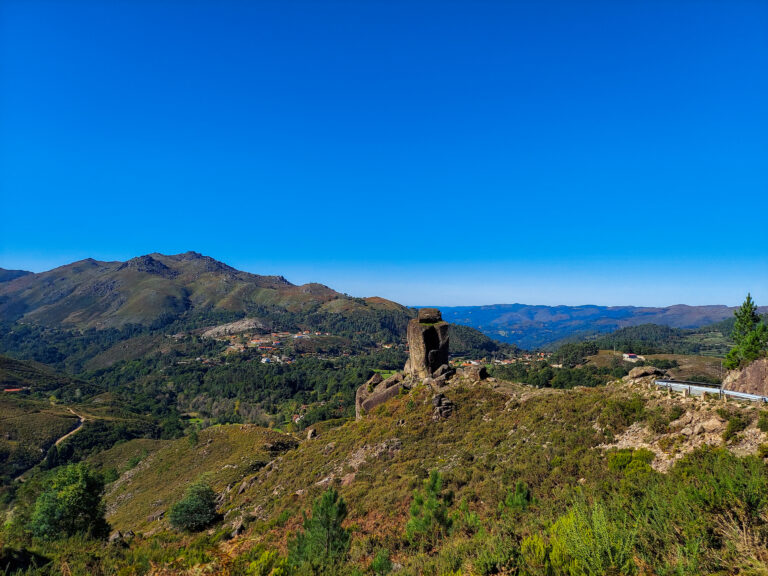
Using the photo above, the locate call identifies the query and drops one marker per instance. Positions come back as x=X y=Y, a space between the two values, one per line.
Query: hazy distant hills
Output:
x=534 y=326
x=143 y=290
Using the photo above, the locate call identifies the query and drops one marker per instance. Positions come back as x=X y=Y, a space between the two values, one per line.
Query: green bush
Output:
x=519 y=499
x=736 y=424
x=196 y=511
x=71 y=505
x=381 y=564
x=762 y=421
x=267 y=564
x=590 y=541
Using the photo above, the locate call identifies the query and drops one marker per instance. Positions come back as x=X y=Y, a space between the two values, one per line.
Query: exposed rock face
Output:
x=377 y=391
x=473 y=373
x=752 y=380
x=244 y=325
x=428 y=343
x=430 y=315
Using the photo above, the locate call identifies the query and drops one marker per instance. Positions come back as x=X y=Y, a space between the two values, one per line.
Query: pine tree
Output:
x=429 y=512
x=324 y=542
x=750 y=335
x=747 y=320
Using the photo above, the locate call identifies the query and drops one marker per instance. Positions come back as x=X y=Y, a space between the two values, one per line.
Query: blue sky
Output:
x=446 y=153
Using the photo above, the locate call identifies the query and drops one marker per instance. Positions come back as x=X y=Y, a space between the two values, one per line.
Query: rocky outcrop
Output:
x=443 y=407
x=244 y=325
x=473 y=373
x=751 y=380
x=428 y=343
x=643 y=371
x=377 y=391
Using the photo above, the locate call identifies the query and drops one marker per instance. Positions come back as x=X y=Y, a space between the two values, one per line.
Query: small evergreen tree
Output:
x=197 y=510
x=324 y=542
x=747 y=320
x=429 y=513
x=749 y=334
x=71 y=505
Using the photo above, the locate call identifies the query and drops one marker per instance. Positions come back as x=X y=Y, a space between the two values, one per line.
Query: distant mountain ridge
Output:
x=94 y=294
x=531 y=326
x=8 y=275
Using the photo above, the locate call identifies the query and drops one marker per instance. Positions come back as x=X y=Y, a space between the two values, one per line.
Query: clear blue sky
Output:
x=430 y=152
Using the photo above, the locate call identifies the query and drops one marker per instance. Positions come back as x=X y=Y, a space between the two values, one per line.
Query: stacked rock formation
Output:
x=427 y=363
x=428 y=344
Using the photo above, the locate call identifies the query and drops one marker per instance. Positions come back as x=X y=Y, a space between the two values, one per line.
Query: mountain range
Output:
x=94 y=294
x=197 y=290
x=530 y=326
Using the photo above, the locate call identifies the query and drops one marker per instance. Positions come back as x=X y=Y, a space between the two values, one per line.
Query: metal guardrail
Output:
x=700 y=388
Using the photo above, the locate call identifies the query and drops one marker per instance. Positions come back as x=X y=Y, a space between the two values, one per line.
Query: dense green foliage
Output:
x=652 y=339
x=749 y=334
x=324 y=542
x=543 y=375
x=196 y=511
x=70 y=505
x=466 y=341
x=574 y=353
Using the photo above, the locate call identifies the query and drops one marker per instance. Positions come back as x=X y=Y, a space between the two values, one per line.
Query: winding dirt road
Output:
x=75 y=431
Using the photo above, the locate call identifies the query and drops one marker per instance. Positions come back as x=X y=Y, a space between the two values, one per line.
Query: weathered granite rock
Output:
x=430 y=315
x=751 y=380
x=642 y=371
x=428 y=343
x=475 y=373
x=380 y=397
x=377 y=391
x=444 y=370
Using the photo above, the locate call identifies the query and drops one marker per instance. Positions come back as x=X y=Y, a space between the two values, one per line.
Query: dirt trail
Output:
x=68 y=434
x=21 y=476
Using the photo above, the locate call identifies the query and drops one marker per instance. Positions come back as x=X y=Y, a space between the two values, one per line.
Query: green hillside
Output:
x=160 y=289
x=518 y=467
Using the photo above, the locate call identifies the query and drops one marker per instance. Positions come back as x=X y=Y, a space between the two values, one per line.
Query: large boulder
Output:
x=430 y=315
x=643 y=371
x=752 y=379
x=428 y=343
x=475 y=373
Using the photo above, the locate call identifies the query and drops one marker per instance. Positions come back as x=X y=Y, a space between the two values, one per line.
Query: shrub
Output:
x=268 y=564
x=519 y=499
x=762 y=421
x=736 y=424
x=589 y=540
x=72 y=505
x=534 y=556
x=197 y=510
x=381 y=563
